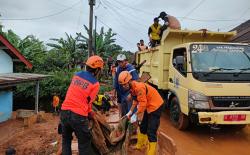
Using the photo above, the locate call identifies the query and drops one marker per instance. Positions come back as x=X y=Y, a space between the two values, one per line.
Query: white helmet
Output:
x=121 y=57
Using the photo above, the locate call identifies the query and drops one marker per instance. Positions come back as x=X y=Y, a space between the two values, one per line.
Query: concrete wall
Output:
x=6 y=104
x=6 y=63
x=6 y=97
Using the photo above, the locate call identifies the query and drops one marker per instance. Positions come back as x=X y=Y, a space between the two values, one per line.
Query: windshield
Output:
x=220 y=58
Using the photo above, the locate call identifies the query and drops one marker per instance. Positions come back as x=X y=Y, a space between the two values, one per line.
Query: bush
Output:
x=105 y=88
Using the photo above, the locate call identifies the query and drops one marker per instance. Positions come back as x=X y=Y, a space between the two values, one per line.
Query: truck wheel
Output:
x=178 y=119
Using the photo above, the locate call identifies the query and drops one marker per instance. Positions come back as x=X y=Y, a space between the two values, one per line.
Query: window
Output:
x=180 y=60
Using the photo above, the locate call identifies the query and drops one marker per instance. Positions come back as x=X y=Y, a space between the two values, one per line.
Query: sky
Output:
x=130 y=19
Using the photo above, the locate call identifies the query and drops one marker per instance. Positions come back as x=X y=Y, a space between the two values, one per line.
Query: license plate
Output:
x=236 y=117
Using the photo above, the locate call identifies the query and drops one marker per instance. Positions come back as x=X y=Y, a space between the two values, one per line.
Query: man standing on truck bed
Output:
x=150 y=105
x=121 y=93
x=77 y=107
x=154 y=33
x=169 y=21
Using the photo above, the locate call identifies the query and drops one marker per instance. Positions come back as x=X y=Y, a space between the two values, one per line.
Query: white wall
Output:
x=6 y=63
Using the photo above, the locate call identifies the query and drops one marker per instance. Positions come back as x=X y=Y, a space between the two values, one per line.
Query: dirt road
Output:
x=195 y=141
x=203 y=141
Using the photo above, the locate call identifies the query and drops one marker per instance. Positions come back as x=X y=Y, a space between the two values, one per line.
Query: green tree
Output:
x=61 y=61
x=68 y=50
x=105 y=42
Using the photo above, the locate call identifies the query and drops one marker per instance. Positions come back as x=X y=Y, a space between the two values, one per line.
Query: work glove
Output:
x=91 y=115
x=129 y=114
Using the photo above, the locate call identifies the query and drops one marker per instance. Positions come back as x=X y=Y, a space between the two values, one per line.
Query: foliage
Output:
x=61 y=61
x=105 y=43
x=105 y=88
x=68 y=50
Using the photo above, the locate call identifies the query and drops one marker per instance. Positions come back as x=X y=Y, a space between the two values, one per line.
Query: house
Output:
x=243 y=33
x=9 y=56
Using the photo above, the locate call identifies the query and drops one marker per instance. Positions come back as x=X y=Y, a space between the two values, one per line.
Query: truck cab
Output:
x=203 y=78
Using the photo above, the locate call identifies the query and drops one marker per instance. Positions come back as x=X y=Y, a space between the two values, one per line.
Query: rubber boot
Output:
x=151 y=148
x=141 y=141
x=145 y=140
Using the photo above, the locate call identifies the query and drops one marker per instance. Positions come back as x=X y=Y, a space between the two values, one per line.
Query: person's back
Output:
x=55 y=102
x=77 y=106
x=80 y=93
x=153 y=98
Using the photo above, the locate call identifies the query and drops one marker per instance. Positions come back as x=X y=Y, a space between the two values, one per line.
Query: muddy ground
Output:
x=41 y=138
x=201 y=140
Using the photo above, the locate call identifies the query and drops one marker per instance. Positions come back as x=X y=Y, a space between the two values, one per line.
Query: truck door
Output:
x=178 y=77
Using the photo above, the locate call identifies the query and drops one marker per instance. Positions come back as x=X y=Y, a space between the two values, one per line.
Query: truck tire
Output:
x=178 y=119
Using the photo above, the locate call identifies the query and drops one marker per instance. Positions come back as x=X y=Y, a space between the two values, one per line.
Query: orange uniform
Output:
x=147 y=97
x=81 y=93
x=56 y=101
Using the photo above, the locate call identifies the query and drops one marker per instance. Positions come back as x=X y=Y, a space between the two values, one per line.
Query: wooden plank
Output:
x=165 y=145
x=15 y=78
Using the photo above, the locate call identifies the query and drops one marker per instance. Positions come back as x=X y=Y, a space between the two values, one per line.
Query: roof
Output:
x=12 y=79
x=243 y=33
x=12 y=51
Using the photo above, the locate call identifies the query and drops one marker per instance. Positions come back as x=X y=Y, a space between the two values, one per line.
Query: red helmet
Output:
x=95 y=62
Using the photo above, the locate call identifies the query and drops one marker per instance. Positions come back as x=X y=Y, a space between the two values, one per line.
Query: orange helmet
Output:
x=124 y=77
x=95 y=62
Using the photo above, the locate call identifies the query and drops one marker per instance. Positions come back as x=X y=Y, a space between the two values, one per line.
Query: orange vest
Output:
x=56 y=101
x=147 y=97
x=81 y=93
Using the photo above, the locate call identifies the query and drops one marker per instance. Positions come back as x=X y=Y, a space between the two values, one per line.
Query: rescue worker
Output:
x=122 y=94
x=77 y=107
x=154 y=33
x=55 y=103
x=150 y=105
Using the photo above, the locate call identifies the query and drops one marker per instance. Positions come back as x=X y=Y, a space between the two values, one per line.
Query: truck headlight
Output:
x=197 y=100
